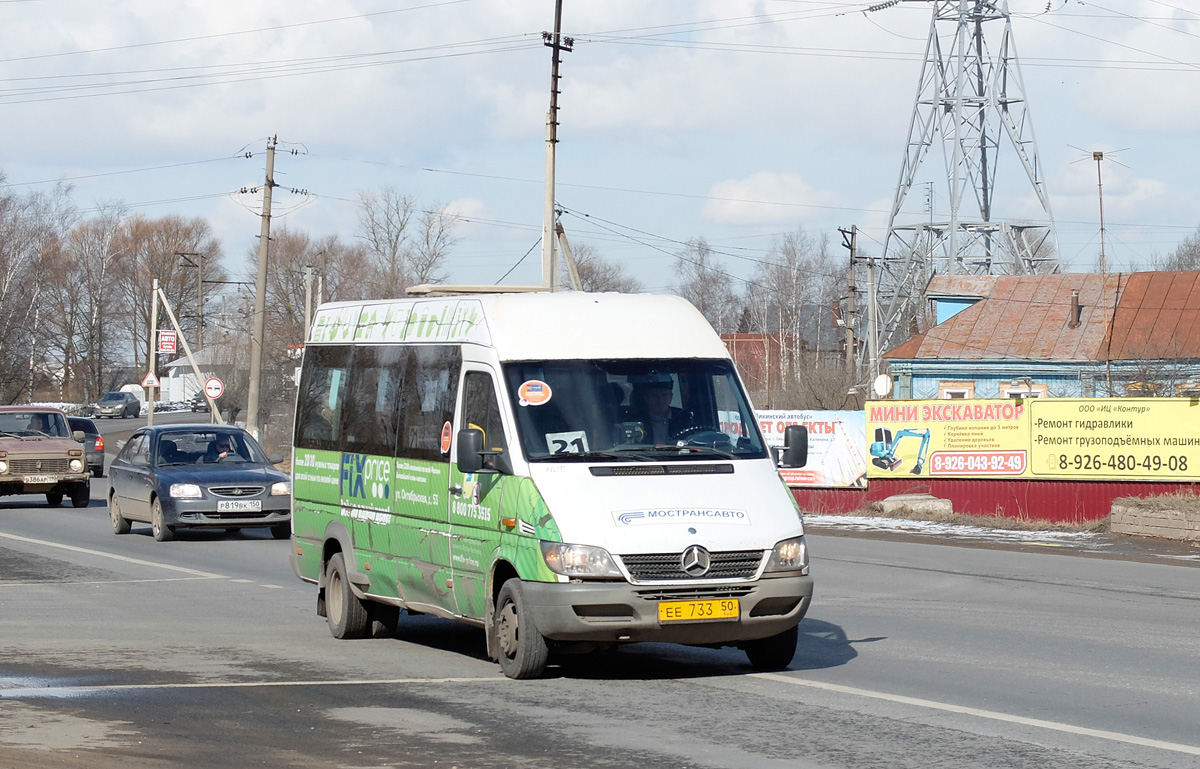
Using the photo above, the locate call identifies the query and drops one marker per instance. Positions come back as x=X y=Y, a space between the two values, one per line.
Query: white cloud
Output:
x=768 y=197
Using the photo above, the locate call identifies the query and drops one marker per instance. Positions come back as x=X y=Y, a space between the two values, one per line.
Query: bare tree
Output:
x=599 y=274
x=31 y=229
x=407 y=246
x=150 y=249
x=1185 y=256
x=384 y=218
x=703 y=283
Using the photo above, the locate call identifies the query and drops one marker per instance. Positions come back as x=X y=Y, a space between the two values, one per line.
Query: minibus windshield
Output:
x=631 y=410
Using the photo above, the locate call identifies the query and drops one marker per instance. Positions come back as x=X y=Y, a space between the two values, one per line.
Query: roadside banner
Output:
x=837 y=452
x=1153 y=439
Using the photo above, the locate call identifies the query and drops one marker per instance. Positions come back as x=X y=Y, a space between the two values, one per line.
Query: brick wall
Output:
x=1159 y=519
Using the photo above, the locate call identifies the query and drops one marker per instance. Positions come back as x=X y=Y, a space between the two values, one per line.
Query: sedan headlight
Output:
x=3 y=467
x=75 y=465
x=789 y=555
x=579 y=560
x=281 y=489
x=185 y=491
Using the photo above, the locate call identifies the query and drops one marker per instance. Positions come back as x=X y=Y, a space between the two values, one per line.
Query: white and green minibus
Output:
x=567 y=471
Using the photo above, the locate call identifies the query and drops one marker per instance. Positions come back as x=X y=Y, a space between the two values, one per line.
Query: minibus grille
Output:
x=694 y=593
x=733 y=564
x=647 y=469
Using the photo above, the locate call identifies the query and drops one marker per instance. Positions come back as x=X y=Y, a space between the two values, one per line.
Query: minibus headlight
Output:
x=789 y=555
x=185 y=491
x=579 y=560
x=281 y=489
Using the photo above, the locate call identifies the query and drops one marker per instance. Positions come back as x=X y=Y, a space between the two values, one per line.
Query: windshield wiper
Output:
x=671 y=449
x=586 y=456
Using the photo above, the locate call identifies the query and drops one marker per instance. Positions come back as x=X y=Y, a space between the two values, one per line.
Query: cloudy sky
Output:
x=735 y=120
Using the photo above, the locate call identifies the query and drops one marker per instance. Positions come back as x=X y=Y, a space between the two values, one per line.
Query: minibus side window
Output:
x=374 y=391
x=427 y=398
x=321 y=397
x=481 y=410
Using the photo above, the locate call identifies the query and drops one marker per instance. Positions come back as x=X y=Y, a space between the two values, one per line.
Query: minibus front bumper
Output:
x=620 y=612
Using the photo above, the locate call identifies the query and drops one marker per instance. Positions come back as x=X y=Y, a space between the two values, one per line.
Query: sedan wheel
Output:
x=120 y=523
x=54 y=498
x=162 y=532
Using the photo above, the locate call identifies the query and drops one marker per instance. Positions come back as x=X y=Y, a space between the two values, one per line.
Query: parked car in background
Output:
x=39 y=454
x=93 y=443
x=118 y=404
x=198 y=476
x=199 y=402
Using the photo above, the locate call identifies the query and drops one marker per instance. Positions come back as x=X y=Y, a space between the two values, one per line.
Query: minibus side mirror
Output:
x=474 y=458
x=795 y=446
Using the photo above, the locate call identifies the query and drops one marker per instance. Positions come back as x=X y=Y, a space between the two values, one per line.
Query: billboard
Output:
x=1126 y=439
x=836 y=446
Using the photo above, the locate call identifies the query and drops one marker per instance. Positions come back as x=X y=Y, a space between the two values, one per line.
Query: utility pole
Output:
x=153 y=353
x=199 y=265
x=872 y=329
x=260 y=297
x=308 y=275
x=568 y=257
x=849 y=240
x=557 y=44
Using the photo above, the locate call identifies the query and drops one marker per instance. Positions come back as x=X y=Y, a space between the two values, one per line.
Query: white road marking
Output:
x=64 y=691
x=989 y=714
x=113 y=556
x=272 y=587
x=243 y=581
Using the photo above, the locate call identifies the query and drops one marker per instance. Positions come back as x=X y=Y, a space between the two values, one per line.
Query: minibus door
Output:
x=475 y=497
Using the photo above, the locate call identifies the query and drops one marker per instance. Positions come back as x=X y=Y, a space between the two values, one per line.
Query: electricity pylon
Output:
x=971 y=99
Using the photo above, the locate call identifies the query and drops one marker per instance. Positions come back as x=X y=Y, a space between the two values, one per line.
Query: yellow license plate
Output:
x=698 y=611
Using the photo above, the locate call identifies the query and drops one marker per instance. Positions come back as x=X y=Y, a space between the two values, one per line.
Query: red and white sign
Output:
x=213 y=387
x=167 y=341
x=151 y=380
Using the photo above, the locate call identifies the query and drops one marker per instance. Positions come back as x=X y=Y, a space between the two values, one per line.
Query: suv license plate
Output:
x=238 y=505
x=698 y=611
x=31 y=479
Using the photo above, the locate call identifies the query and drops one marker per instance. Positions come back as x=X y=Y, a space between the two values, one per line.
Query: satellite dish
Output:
x=882 y=385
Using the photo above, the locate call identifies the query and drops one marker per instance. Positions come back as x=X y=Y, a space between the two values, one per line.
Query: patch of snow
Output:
x=957 y=530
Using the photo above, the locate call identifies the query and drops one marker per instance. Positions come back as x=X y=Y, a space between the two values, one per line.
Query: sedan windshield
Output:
x=629 y=410
x=207 y=448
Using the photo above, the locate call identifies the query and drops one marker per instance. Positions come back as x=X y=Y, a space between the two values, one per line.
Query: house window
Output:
x=956 y=390
x=1023 y=389
x=1141 y=390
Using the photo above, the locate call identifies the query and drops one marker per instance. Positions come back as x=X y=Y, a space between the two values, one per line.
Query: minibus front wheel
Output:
x=522 y=649
x=774 y=652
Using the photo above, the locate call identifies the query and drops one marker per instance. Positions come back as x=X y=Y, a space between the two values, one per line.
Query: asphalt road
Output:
x=206 y=652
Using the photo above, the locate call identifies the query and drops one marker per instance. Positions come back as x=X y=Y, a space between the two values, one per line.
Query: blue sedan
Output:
x=201 y=476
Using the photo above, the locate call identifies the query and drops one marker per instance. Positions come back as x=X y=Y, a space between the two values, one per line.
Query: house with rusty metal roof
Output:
x=1067 y=335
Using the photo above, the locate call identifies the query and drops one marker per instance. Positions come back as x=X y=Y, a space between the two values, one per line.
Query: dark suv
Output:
x=198 y=402
x=93 y=443
x=118 y=404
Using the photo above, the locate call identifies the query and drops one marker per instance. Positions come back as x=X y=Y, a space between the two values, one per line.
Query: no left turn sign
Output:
x=213 y=387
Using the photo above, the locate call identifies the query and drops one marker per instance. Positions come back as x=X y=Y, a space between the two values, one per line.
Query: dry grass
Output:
x=1179 y=500
x=997 y=521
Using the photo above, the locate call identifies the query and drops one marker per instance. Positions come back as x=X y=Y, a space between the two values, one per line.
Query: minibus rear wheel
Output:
x=346 y=614
x=523 y=650
x=774 y=652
